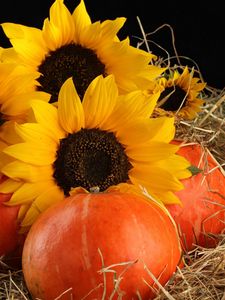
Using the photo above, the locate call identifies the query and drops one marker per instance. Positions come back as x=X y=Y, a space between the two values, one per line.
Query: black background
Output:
x=199 y=28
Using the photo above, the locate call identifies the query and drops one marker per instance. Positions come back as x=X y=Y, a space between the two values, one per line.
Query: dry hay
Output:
x=12 y=285
x=202 y=278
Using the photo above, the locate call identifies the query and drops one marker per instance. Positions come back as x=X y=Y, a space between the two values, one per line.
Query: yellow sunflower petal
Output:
x=9 y=186
x=18 y=104
x=60 y=29
x=6 y=69
x=2 y=145
x=151 y=152
x=111 y=87
x=52 y=196
x=81 y=20
x=148 y=76
x=98 y=104
x=47 y=115
x=168 y=197
x=126 y=188
x=91 y=36
x=139 y=132
x=22 y=211
x=27 y=49
x=4 y=159
x=35 y=133
x=18 y=170
x=138 y=104
x=8 y=133
x=141 y=191
x=110 y=28
x=155 y=178
x=199 y=86
x=49 y=197
x=27 y=41
x=131 y=106
x=31 y=215
x=98 y=34
x=29 y=191
x=143 y=130
x=7 y=54
x=31 y=153
x=162 y=129
x=70 y=109
x=17 y=31
x=175 y=164
x=78 y=190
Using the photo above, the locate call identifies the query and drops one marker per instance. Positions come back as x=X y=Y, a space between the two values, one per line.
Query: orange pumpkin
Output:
x=61 y=256
x=201 y=218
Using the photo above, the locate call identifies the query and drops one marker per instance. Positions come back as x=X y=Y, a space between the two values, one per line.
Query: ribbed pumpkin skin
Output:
x=61 y=249
x=198 y=218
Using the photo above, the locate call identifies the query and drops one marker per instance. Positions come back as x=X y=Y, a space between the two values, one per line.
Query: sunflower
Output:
x=70 y=45
x=181 y=95
x=14 y=95
x=91 y=144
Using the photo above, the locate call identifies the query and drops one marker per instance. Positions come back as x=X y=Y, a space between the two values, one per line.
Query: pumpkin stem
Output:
x=194 y=170
x=95 y=189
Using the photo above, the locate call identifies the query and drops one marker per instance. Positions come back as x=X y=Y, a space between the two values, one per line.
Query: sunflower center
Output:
x=90 y=158
x=174 y=98
x=71 y=60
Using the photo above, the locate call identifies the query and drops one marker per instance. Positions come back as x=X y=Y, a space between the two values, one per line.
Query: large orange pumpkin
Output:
x=71 y=242
x=201 y=218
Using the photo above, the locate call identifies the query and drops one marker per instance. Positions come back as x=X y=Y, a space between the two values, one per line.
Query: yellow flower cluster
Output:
x=76 y=111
